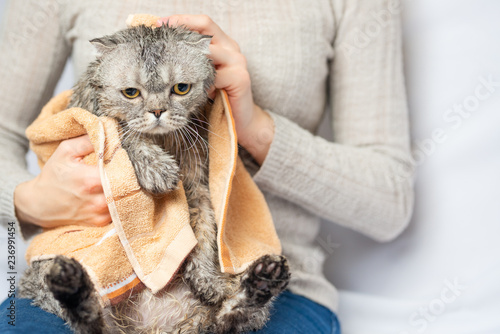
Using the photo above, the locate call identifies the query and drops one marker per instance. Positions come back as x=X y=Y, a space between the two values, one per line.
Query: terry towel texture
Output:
x=150 y=236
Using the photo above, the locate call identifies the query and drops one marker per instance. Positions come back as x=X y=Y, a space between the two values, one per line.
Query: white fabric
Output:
x=452 y=47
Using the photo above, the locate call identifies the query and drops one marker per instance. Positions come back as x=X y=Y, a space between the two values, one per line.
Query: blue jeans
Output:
x=291 y=314
x=294 y=314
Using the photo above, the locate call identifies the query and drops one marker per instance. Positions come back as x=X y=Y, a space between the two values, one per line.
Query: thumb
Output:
x=79 y=146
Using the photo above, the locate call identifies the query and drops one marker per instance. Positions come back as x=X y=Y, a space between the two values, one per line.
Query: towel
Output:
x=150 y=236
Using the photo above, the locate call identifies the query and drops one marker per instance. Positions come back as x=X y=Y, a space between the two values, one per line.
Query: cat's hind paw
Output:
x=73 y=289
x=68 y=281
x=267 y=277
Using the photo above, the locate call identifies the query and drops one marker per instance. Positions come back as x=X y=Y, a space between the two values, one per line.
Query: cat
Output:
x=155 y=83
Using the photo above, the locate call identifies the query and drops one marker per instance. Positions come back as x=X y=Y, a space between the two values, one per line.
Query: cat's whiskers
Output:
x=190 y=133
x=126 y=134
x=190 y=138
x=207 y=143
x=134 y=134
x=178 y=147
x=200 y=139
x=136 y=137
x=196 y=157
x=116 y=141
x=207 y=129
x=203 y=146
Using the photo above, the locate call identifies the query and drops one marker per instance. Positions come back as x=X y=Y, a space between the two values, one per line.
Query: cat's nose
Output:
x=157 y=112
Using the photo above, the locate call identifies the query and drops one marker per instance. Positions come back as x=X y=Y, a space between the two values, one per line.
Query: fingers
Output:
x=102 y=217
x=223 y=57
x=68 y=191
x=233 y=79
x=97 y=208
x=95 y=221
x=90 y=181
x=102 y=220
x=202 y=24
x=77 y=147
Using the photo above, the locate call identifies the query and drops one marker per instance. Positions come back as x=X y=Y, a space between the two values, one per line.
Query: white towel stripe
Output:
x=117 y=286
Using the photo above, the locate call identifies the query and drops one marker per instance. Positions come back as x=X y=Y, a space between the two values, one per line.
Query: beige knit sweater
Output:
x=304 y=57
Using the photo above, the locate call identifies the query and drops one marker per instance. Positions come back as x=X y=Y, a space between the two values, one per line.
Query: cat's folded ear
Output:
x=104 y=45
x=200 y=41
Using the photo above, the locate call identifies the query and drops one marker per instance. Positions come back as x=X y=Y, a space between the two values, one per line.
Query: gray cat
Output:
x=155 y=82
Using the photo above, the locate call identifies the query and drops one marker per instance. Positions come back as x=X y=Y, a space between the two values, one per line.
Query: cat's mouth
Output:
x=157 y=125
x=158 y=128
x=161 y=127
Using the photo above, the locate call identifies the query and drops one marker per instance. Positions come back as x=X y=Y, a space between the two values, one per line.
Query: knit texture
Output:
x=343 y=56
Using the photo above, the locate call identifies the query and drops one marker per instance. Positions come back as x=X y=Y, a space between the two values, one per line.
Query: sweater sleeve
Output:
x=33 y=56
x=362 y=180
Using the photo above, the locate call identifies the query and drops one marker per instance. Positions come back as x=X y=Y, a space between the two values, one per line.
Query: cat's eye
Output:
x=131 y=93
x=181 y=89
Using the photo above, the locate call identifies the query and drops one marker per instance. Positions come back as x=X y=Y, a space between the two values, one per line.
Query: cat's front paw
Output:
x=267 y=277
x=158 y=175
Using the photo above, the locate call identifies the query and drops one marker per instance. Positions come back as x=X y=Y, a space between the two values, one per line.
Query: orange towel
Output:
x=151 y=236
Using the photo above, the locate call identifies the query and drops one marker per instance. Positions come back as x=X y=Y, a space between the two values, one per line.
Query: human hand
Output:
x=254 y=126
x=66 y=192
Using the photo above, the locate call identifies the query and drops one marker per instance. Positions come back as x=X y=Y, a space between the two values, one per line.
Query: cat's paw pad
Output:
x=266 y=278
x=66 y=278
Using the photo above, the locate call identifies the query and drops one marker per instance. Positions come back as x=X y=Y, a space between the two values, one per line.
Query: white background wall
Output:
x=452 y=48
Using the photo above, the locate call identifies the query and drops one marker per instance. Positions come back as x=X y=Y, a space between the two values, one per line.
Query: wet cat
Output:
x=155 y=82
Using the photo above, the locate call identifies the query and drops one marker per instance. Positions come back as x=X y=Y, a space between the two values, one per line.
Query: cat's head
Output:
x=153 y=79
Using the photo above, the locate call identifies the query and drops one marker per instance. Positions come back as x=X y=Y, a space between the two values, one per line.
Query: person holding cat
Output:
x=289 y=63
